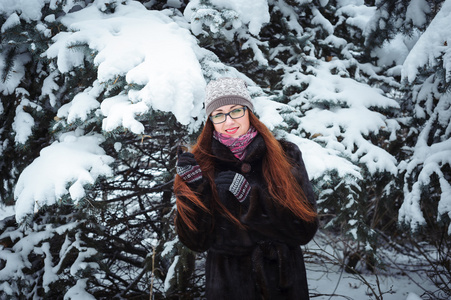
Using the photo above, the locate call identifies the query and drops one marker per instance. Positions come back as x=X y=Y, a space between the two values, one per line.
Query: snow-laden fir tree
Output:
x=422 y=30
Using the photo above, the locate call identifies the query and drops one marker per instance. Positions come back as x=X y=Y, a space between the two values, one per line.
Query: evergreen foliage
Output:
x=323 y=76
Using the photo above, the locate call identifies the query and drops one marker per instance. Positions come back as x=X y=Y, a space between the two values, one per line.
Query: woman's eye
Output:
x=218 y=116
x=236 y=112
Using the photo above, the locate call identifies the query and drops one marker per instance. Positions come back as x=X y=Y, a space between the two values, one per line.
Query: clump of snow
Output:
x=13 y=20
x=78 y=291
x=23 y=121
x=391 y=52
x=254 y=13
x=31 y=10
x=417 y=11
x=15 y=75
x=171 y=273
x=320 y=20
x=119 y=111
x=63 y=168
x=81 y=105
x=356 y=13
x=49 y=86
x=169 y=247
x=318 y=160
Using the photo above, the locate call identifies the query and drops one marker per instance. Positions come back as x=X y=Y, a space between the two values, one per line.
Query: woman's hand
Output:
x=188 y=168
x=233 y=182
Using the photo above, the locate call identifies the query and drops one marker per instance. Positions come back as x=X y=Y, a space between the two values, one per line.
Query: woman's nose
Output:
x=229 y=120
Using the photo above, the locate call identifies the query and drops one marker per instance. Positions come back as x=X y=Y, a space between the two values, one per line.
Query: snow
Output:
x=320 y=20
x=164 y=61
x=78 y=292
x=6 y=211
x=119 y=111
x=63 y=168
x=13 y=20
x=392 y=52
x=350 y=116
x=170 y=274
x=254 y=13
x=433 y=43
x=81 y=105
x=355 y=13
x=169 y=247
x=399 y=280
x=30 y=9
x=269 y=111
x=432 y=158
x=413 y=296
x=23 y=121
x=49 y=86
x=318 y=160
x=417 y=12
x=14 y=77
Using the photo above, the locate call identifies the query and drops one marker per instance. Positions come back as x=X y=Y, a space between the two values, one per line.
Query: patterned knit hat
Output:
x=226 y=91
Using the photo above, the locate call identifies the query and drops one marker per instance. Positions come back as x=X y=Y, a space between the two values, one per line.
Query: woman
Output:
x=245 y=198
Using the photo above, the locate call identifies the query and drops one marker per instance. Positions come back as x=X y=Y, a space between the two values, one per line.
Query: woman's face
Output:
x=232 y=127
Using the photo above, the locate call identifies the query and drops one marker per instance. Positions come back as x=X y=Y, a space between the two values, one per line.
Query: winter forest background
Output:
x=97 y=95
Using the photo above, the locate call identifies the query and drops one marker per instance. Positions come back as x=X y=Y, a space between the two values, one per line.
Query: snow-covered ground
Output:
x=399 y=280
x=333 y=284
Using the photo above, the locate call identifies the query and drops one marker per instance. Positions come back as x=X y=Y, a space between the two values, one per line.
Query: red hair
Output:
x=282 y=186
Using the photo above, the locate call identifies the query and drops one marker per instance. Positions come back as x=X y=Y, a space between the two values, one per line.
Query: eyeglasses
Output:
x=234 y=114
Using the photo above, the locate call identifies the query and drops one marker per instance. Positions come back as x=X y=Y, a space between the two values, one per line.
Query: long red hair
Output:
x=282 y=185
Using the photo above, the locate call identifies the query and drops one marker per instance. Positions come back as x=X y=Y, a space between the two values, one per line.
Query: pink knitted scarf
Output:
x=237 y=145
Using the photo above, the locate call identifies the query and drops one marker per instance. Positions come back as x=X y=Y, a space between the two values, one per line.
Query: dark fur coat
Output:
x=263 y=261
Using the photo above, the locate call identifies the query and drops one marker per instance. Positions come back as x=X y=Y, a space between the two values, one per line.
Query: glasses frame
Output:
x=228 y=114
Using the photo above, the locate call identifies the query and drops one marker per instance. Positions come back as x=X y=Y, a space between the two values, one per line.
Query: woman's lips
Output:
x=232 y=130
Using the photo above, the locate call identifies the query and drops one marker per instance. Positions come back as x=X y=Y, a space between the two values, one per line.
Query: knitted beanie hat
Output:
x=226 y=91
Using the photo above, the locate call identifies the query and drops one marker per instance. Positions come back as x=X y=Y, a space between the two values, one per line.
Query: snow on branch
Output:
x=427 y=161
x=252 y=13
x=343 y=114
x=155 y=55
x=63 y=168
x=433 y=44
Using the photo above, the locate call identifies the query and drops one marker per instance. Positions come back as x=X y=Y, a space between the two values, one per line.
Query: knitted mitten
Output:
x=235 y=183
x=188 y=168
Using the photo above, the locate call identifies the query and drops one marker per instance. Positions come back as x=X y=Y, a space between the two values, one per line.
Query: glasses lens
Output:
x=218 y=118
x=237 y=113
